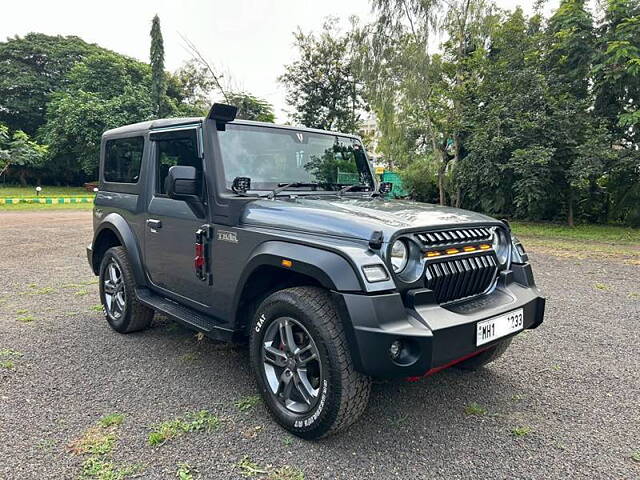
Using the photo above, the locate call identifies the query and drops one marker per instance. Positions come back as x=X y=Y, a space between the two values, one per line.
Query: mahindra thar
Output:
x=283 y=238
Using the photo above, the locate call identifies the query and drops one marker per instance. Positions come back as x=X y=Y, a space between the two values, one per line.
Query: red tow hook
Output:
x=446 y=365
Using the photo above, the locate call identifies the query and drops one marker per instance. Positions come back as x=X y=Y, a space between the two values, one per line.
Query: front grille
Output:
x=457 y=236
x=457 y=278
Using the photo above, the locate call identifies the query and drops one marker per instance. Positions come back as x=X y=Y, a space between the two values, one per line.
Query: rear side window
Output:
x=122 y=160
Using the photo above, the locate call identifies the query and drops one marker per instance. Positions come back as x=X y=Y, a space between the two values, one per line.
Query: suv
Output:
x=282 y=238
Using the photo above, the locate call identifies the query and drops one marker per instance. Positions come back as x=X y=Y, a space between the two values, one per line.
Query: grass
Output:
x=249 y=469
x=247 y=403
x=580 y=241
x=96 y=308
x=635 y=456
x=44 y=206
x=7 y=357
x=96 y=468
x=7 y=364
x=201 y=421
x=111 y=420
x=47 y=191
x=26 y=319
x=475 y=409
x=185 y=471
x=521 y=431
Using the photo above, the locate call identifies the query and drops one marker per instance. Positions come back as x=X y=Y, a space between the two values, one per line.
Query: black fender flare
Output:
x=330 y=269
x=119 y=226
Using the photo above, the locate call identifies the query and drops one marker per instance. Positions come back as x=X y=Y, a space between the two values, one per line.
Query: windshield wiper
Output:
x=283 y=186
x=348 y=188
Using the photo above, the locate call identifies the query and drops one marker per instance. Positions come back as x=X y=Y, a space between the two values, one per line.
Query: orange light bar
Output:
x=286 y=263
x=433 y=254
x=484 y=246
x=451 y=251
x=469 y=249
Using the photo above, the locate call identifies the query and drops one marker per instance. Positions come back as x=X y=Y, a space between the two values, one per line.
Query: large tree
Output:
x=31 y=69
x=105 y=91
x=321 y=84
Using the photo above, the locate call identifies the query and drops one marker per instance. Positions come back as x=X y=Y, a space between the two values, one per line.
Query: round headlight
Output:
x=500 y=245
x=399 y=256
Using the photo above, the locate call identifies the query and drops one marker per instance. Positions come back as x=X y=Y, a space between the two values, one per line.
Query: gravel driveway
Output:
x=563 y=402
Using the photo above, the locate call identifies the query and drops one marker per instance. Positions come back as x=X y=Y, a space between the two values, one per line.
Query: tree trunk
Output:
x=441 y=171
x=570 y=208
x=21 y=176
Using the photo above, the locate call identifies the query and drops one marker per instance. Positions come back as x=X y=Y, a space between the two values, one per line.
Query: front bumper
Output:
x=434 y=335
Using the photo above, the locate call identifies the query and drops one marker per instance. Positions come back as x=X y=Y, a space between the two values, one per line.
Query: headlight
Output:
x=501 y=246
x=399 y=256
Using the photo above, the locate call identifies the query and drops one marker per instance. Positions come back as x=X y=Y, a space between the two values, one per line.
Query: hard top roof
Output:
x=142 y=127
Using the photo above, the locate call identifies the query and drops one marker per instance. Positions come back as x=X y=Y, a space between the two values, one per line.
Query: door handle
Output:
x=154 y=224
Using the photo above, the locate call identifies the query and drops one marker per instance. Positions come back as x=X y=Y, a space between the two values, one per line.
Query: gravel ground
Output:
x=570 y=388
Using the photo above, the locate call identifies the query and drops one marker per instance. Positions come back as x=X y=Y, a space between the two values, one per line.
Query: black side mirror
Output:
x=182 y=183
x=385 y=187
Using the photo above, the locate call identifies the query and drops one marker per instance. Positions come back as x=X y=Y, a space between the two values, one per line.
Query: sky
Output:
x=249 y=40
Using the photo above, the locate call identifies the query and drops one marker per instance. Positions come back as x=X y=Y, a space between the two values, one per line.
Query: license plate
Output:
x=500 y=326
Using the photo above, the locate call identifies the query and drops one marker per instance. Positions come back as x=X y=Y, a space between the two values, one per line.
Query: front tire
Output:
x=122 y=309
x=301 y=360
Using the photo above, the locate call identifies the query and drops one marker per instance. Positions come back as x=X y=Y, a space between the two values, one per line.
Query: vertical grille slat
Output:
x=453 y=279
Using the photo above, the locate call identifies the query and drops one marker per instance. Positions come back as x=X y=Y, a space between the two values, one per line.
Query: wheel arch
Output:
x=265 y=273
x=114 y=231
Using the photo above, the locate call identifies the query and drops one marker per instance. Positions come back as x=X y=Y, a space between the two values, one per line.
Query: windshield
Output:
x=272 y=157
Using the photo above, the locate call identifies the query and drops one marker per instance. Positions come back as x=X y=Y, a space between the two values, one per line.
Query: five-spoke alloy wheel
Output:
x=292 y=365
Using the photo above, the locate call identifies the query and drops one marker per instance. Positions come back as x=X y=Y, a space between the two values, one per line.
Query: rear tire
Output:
x=315 y=393
x=488 y=356
x=122 y=309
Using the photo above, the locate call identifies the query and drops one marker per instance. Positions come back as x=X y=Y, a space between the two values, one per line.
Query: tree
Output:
x=321 y=84
x=158 y=79
x=19 y=153
x=105 y=91
x=31 y=69
x=251 y=108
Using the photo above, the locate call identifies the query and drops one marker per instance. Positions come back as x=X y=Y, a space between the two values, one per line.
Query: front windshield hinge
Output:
x=376 y=240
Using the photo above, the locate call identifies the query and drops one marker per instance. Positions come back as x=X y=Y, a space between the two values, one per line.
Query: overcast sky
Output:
x=249 y=39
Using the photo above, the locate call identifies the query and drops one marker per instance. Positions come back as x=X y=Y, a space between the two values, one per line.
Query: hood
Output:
x=353 y=217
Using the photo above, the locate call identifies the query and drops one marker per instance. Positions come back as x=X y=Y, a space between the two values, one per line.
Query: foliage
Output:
x=158 y=78
x=106 y=91
x=251 y=108
x=31 y=69
x=321 y=83
x=19 y=153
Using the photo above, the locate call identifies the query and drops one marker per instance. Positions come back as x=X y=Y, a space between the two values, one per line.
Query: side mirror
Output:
x=385 y=187
x=182 y=183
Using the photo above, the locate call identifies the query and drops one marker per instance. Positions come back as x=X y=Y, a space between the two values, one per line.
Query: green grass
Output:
x=95 y=468
x=580 y=241
x=635 y=456
x=47 y=191
x=111 y=420
x=521 y=431
x=26 y=319
x=201 y=421
x=185 y=471
x=249 y=469
x=43 y=206
x=475 y=409
x=247 y=403
x=7 y=364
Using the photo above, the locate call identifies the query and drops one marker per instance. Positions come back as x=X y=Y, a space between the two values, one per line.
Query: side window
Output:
x=175 y=151
x=122 y=160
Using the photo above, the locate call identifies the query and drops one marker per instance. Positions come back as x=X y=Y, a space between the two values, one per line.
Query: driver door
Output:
x=171 y=224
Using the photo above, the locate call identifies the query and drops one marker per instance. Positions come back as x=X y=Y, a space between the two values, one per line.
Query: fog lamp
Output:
x=395 y=349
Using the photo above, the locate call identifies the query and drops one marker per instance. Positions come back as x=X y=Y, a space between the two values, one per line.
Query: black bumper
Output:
x=433 y=335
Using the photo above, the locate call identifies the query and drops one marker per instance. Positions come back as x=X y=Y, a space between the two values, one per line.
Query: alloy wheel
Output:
x=292 y=365
x=114 y=292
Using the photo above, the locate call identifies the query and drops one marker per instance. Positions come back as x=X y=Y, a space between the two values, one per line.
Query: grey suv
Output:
x=282 y=238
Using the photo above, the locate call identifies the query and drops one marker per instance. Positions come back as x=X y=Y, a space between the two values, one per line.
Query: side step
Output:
x=188 y=316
